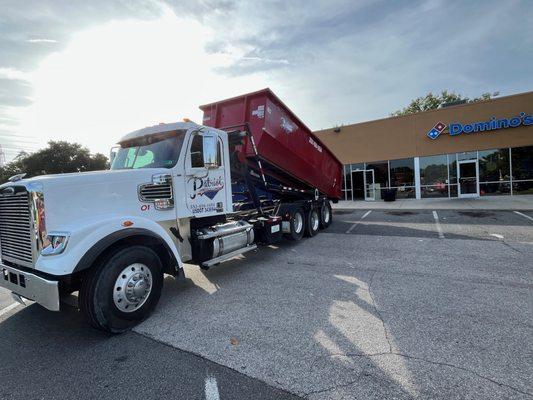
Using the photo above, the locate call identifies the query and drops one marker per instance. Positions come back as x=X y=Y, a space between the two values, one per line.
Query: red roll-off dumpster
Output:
x=281 y=138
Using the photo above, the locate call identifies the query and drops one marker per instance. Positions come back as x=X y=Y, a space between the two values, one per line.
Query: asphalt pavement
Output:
x=405 y=304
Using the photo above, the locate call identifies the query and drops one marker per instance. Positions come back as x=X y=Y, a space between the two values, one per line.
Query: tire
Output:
x=297 y=225
x=312 y=223
x=107 y=299
x=326 y=215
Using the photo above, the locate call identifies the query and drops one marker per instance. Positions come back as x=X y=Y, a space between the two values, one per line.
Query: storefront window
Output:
x=468 y=155
x=433 y=170
x=434 y=176
x=346 y=183
x=405 y=192
x=452 y=168
x=347 y=178
x=434 y=191
x=381 y=173
x=523 y=187
x=453 y=190
x=522 y=160
x=402 y=172
x=494 y=165
x=494 y=188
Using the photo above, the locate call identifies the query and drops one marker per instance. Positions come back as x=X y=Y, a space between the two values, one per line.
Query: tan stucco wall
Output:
x=406 y=136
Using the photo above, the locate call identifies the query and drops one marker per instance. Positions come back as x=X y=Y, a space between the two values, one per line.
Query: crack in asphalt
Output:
x=392 y=353
x=333 y=387
x=440 y=363
x=198 y=355
x=511 y=247
x=378 y=311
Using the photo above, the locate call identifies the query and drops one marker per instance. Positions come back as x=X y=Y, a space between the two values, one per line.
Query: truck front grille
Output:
x=16 y=243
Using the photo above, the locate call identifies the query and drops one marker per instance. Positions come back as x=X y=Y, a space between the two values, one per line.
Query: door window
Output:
x=197 y=152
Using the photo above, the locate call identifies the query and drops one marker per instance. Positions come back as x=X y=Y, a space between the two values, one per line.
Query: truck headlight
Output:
x=55 y=243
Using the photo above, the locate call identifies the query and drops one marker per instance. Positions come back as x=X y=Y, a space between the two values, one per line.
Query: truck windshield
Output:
x=157 y=151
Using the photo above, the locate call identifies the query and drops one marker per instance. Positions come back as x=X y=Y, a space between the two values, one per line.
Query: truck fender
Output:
x=108 y=241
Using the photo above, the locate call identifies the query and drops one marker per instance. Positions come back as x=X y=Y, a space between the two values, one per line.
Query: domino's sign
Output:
x=455 y=128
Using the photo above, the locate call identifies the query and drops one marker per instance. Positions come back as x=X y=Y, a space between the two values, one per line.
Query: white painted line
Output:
x=7 y=309
x=358 y=222
x=437 y=224
x=523 y=215
x=211 y=389
x=497 y=236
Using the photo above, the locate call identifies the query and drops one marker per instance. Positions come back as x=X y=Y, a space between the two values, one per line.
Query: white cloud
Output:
x=125 y=75
x=331 y=61
x=42 y=41
x=12 y=73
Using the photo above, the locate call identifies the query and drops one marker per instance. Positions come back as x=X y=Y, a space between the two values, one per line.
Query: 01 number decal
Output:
x=145 y=207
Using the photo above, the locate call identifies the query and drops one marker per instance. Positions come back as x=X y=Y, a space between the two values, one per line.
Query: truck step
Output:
x=225 y=257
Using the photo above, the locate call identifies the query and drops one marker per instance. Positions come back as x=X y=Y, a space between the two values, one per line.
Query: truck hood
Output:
x=93 y=177
x=70 y=199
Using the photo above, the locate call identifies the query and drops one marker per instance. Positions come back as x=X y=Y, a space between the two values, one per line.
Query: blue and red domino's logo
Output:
x=435 y=132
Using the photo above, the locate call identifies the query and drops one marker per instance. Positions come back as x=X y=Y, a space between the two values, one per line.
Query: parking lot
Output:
x=384 y=304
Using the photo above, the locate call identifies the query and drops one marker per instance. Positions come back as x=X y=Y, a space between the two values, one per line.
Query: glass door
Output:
x=358 y=185
x=468 y=178
x=370 y=187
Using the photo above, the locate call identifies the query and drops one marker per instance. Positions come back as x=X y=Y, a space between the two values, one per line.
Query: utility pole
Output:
x=2 y=157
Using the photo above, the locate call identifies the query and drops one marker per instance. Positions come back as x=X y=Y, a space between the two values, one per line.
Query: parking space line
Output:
x=523 y=215
x=437 y=224
x=358 y=222
x=7 y=309
x=211 y=389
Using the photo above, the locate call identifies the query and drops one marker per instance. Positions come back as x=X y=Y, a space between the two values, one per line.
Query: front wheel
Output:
x=123 y=290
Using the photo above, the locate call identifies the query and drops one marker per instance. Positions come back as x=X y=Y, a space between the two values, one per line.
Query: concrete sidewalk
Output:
x=524 y=202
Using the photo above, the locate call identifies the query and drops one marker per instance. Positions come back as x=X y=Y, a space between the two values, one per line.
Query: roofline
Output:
x=430 y=111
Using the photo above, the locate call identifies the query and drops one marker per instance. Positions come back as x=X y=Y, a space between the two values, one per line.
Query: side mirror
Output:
x=210 y=150
x=112 y=154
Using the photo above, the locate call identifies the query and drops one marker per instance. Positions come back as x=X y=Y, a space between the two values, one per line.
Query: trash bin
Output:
x=389 y=194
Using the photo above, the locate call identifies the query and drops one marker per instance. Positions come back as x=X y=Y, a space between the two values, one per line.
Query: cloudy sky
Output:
x=90 y=71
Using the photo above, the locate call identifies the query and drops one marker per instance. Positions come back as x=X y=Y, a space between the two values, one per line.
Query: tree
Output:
x=59 y=157
x=432 y=102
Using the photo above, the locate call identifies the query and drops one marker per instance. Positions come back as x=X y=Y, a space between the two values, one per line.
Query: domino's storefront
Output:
x=469 y=150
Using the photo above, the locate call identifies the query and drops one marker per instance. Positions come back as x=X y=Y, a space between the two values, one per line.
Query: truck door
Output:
x=205 y=180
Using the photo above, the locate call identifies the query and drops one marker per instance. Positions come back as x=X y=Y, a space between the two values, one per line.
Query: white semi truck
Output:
x=175 y=193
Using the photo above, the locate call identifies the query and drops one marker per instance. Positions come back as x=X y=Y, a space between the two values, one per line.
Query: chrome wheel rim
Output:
x=326 y=214
x=298 y=222
x=132 y=287
x=314 y=220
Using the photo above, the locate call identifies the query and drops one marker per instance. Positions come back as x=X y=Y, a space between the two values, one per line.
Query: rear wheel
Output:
x=313 y=223
x=123 y=290
x=325 y=215
x=296 y=225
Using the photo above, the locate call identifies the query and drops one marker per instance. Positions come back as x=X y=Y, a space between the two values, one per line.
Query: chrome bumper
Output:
x=30 y=286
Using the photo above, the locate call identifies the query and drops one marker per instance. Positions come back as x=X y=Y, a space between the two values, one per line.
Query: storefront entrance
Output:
x=363 y=185
x=468 y=178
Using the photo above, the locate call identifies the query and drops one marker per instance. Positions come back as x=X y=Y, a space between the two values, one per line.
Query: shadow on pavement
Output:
x=309 y=318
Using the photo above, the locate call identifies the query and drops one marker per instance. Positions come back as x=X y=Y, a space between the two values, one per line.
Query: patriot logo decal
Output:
x=208 y=187
x=435 y=132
